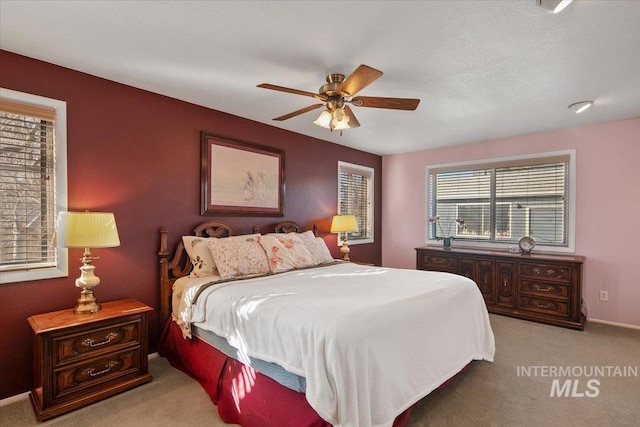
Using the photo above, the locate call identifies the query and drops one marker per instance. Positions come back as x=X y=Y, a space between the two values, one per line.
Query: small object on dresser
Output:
x=526 y=244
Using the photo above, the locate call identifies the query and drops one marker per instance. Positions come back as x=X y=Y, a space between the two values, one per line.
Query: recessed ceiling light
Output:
x=554 y=6
x=581 y=106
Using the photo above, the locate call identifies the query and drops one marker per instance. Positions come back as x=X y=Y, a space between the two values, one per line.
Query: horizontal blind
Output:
x=502 y=202
x=27 y=187
x=354 y=189
x=534 y=200
x=462 y=195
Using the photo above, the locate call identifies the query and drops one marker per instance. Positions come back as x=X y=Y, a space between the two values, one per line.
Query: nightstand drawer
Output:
x=549 y=272
x=544 y=289
x=89 y=373
x=69 y=348
x=541 y=305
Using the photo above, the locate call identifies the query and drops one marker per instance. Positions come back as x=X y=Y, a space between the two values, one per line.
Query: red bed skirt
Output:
x=243 y=395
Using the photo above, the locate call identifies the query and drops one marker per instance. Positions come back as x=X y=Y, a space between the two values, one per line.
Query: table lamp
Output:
x=344 y=224
x=87 y=230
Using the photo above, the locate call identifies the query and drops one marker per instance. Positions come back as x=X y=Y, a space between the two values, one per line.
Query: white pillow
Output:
x=200 y=255
x=239 y=258
x=282 y=258
x=317 y=247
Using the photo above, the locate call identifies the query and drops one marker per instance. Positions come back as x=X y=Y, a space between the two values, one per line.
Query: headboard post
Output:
x=165 y=287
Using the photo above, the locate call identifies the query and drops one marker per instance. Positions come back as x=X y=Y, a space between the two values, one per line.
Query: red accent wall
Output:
x=137 y=154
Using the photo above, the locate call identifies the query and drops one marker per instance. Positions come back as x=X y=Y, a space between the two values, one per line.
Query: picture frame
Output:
x=240 y=178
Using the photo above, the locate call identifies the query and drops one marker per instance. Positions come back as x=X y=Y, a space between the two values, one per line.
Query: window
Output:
x=32 y=186
x=502 y=200
x=355 y=197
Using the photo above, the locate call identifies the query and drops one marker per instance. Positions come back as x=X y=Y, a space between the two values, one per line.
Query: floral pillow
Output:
x=239 y=258
x=282 y=258
x=316 y=246
x=200 y=255
x=299 y=254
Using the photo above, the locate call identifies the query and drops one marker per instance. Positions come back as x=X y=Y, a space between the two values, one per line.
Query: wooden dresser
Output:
x=539 y=287
x=79 y=359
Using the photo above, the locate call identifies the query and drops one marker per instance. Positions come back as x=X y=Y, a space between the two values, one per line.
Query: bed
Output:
x=309 y=343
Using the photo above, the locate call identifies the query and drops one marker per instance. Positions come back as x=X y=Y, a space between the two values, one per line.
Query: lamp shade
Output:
x=87 y=230
x=323 y=120
x=344 y=224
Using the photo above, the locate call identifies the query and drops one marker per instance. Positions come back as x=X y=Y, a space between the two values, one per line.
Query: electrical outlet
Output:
x=604 y=296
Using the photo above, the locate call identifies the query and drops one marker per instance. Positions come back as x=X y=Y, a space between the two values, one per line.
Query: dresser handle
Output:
x=504 y=282
x=552 y=305
x=541 y=289
x=92 y=372
x=550 y=272
x=90 y=342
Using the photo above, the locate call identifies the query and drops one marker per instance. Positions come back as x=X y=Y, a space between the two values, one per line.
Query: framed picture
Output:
x=239 y=178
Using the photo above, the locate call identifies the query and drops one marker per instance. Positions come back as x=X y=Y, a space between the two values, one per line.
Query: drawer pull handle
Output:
x=550 y=272
x=552 y=305
x=541 y=289
x=92 y=372
x=90 y=342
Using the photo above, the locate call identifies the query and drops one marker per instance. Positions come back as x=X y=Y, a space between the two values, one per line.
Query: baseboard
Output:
x=621 y=325
x=12 y=399
x=18 y=397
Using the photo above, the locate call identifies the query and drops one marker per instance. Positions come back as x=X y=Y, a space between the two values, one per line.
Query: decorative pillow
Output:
x=298 y=253
x=281 y=258
x=239 y=258
x=316 y=246
x=200 y=255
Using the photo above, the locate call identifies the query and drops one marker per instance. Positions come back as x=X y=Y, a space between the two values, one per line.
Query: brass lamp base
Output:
x=345 y=250
x=87 y=303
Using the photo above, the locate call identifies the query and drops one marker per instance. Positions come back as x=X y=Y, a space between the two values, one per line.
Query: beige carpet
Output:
x=486 y=394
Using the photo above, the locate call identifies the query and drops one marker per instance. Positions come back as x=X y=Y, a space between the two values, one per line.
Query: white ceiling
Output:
x=482 y=69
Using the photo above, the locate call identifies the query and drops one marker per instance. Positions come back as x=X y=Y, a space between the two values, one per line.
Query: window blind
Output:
x=502 y=202
x=355 y=188
x=27 y=186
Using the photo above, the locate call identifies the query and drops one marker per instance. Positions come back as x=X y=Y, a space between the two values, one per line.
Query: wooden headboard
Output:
x=175 y=265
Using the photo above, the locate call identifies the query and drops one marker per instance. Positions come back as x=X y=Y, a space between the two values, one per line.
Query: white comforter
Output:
x=369 y=341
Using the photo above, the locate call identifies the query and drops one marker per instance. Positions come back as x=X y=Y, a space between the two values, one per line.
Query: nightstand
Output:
x=79 y=359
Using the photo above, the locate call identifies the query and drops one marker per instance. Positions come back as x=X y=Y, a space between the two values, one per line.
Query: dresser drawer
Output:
x=437 y=262
x=544 y=289
x=542 y=305
x=547 y=272
x=70 y=348
x=89 y=373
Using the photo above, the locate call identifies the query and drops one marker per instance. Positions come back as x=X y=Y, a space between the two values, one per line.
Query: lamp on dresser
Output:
x=344 y=224
x=87 y=230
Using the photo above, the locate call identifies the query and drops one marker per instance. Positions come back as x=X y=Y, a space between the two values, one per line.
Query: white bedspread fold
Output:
x=370 y=341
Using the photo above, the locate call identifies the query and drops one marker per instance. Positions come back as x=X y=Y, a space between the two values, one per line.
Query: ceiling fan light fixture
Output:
x=555 y=6
x=323 y=120
x=579 y=107
x=340 y=120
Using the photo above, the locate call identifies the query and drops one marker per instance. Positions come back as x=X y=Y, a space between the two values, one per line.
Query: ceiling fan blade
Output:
x=294 y=91
x=362 y=77
x=390 y=103
x=298 y=112
x=353 y=122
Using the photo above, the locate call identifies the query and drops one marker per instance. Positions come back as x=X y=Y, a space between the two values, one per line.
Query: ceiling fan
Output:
x=338 y=92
